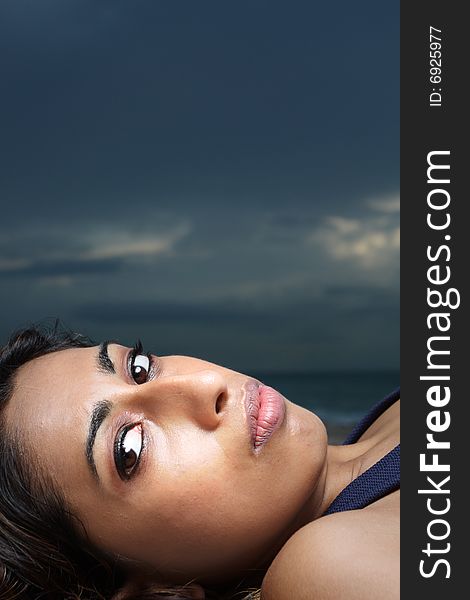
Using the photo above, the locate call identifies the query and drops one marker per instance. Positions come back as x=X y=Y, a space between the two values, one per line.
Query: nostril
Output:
x=220 y=403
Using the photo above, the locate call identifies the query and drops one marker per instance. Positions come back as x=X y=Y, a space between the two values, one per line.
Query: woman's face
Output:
x=157 y=459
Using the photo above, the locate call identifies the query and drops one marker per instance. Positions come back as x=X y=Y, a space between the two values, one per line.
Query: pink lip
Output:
x=265 y=409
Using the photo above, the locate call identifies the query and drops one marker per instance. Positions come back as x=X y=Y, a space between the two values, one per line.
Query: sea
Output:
x=340 y=399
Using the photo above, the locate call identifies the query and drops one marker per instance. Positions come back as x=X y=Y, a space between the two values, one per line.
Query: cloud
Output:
x=13 y=264
x=100 y=251
x=66 y=268
x=123 y=244
x=370 y=243
x=386 y=204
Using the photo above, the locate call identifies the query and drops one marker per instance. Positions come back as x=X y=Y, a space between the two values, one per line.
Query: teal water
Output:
x=339 y=399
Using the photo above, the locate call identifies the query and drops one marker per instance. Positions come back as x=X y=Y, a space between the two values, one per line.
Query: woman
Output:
x=125 y=475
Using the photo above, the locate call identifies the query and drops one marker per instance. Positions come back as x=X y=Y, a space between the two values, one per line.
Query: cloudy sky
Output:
x=218 y=178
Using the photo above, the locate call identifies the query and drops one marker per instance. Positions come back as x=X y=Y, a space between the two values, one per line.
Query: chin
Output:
x=305 y=423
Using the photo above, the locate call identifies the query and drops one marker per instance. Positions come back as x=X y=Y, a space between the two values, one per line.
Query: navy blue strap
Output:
x=372 y=416
x=380 y=479
x=375 y=483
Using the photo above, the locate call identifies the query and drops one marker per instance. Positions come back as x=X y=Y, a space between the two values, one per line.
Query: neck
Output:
x=343 y=464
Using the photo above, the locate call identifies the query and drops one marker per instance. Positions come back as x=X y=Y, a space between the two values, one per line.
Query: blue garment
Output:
x=380 y=479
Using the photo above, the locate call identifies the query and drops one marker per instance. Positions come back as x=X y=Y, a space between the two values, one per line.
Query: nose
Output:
x=199 y=396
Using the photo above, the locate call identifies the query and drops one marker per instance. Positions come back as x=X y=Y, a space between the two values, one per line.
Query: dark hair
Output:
x=44 y=552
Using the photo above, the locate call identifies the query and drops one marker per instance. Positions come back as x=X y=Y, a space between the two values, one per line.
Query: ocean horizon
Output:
x=339 y=398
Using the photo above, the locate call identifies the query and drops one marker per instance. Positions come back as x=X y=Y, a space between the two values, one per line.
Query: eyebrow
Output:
x=99 y=413
x=101 y=409
x=104 y=362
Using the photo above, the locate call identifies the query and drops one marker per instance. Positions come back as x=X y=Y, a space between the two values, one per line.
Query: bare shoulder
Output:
x=352 y=555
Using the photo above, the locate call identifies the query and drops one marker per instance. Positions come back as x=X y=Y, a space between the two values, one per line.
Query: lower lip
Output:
x=266 y=415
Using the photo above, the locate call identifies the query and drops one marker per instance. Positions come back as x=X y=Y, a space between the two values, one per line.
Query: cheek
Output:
x=196 y=504
x=201 y=504
x=206 y=486
x=185 y=455
x=183 y=518
x=185 y=480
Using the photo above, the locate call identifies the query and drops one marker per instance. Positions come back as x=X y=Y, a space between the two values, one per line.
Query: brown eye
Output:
x=140 y=368
x=129 y=448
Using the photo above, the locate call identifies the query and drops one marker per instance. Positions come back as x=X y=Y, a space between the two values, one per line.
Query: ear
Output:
x=151 y=590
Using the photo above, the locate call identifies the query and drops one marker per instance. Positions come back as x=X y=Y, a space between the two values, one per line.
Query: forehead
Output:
x=50 y=384
x=50 y=405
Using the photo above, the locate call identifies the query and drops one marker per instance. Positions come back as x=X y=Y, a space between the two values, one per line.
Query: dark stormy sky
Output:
x=220 y=179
